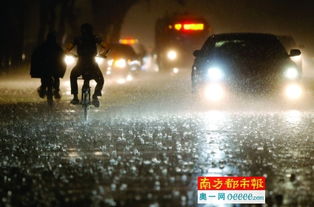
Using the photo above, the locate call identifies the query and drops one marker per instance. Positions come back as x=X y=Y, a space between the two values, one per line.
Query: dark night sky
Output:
x=275 y=16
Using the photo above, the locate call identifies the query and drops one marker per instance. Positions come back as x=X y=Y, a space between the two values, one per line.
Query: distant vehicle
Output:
x=138 y=48
x=251 y=63
x=289 y=43
x=122 y=63
x=176 y=37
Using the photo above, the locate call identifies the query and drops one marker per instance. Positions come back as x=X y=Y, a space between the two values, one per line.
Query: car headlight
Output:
x=291 y=73
x=134 y=62
x=215 y=74
x=110 y=62
x=99 y=60
x=293 y=91
x=120 y=63
x=69 y=59
x=175 y=70
x=172 y=55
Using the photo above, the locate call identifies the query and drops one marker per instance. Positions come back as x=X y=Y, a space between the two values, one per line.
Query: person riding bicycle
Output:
x=86 y=46
x=47 y=64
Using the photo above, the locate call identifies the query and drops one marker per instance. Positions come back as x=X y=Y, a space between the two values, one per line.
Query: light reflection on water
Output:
x=98 y=153
x=215 y=124
x=73 y=154
x=293 y=117
x=215 y=120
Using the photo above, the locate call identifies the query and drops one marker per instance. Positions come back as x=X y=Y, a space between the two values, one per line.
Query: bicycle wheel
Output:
x=85 y=103
x=49 y=96
x=50 y=100
x=85 y=112
x=85 y=97
x=49 y=83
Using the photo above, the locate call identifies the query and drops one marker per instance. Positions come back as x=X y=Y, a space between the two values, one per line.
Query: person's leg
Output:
x=42 y=88
x=56 y=83
x=75 y=73
x=49 y=85
x=73 y=80
x=99 y=78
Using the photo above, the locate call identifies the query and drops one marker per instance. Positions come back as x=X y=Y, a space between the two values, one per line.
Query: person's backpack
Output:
x=47 y=61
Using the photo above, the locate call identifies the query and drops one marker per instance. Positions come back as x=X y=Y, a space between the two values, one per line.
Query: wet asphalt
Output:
x=147 y=143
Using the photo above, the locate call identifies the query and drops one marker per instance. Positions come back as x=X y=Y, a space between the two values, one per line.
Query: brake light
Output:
x=128 y=41
x=193 y=27
x=189 y=27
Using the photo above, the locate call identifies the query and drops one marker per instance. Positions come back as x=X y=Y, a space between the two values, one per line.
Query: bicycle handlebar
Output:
x=103 y=55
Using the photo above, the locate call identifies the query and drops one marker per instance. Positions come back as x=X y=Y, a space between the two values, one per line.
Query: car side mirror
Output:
x=294 y=52
x=197 y=53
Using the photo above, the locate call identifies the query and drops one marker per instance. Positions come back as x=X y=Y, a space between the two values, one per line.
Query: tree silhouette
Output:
x=108 y=16
x=60 y=16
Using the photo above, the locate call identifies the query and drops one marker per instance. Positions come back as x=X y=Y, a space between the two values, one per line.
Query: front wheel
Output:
x=49 y=96
x=50 y=100
x=85 y=102
x=85 y=107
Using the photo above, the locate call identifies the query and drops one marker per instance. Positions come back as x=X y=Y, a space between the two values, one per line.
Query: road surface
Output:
x=146 y=145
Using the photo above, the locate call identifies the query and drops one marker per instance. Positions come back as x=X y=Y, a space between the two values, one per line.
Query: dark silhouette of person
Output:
x=86 y=47
x=47 y=64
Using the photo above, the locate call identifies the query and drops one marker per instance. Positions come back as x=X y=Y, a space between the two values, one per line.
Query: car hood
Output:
x=247 y=67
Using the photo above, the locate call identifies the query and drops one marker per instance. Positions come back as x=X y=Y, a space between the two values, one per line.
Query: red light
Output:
x=189 y=26
x=197 y=26
x=128 y=41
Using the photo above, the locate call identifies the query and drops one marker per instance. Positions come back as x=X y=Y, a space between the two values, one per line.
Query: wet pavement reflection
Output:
x=129 y=155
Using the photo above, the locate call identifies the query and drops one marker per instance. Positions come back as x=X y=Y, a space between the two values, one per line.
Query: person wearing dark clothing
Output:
x=86 y=46
x=47 y=64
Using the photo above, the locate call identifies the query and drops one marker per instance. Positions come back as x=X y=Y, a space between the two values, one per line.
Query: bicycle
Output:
x=47 y=89
x=86 y=89
x=86 y=94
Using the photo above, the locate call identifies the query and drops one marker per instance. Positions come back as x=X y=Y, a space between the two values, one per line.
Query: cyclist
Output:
x=47 y=65
x=86 y=46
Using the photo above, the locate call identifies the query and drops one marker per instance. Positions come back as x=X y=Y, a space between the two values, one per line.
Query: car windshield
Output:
x=248 y=47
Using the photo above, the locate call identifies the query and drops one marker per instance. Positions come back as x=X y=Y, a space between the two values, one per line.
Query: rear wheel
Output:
x=85 y=107
x=50 y=100
x=49 y=96
x=49 y=82
x=86 y=101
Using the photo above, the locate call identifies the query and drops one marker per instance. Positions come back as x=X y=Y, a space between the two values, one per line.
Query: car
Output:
x=122 y=63
x=248 y=63
x=140 y=50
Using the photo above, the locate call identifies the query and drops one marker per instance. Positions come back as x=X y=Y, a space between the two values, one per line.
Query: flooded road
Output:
x=147 y=144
